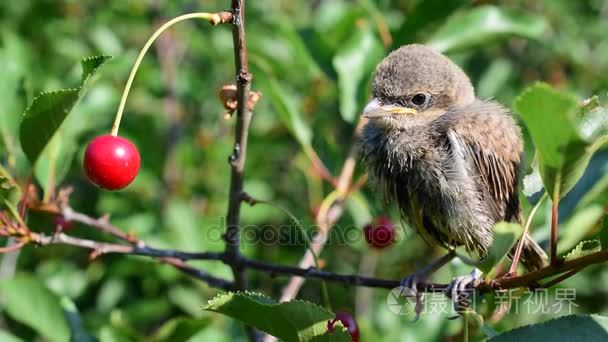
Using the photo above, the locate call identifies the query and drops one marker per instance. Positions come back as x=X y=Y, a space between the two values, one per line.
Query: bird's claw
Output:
x=460 y=291
x=409 y=288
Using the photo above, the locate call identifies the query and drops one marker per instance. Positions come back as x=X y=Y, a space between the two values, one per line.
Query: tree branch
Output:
x=239 y=153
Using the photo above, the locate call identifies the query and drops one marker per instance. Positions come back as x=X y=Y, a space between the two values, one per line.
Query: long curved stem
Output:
x=520 y=245
x=140 y=57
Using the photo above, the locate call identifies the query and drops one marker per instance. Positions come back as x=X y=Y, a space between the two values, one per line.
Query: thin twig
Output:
x=326 y=218
x=103 y=224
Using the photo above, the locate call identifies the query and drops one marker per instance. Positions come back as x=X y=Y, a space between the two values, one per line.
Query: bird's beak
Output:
x=374 y=110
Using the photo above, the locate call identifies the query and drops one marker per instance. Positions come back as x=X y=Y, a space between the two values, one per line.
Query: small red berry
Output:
x=380 y=233
x=111 y=162
x=348 y=322
x=63 y=224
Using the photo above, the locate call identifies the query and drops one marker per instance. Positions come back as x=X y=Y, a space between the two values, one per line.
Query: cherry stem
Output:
x=142 y=53
x=520 y=245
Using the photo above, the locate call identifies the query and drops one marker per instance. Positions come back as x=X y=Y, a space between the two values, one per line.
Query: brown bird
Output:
x=449 y=160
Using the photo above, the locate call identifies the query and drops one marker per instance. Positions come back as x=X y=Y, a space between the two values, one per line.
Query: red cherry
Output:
x=380 y=233
x=111 y=162
x=62 y=223
x=348 y=322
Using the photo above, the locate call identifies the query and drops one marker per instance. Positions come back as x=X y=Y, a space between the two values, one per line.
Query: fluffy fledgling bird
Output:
x=449 y=160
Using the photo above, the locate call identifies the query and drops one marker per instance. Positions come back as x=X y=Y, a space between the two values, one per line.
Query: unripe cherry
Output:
x=111 y=162
x=348 y=322
x=63 y=224
x=380 y=233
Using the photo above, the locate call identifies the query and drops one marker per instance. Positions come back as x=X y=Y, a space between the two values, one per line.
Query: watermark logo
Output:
x=398 y=300
x=560 y=301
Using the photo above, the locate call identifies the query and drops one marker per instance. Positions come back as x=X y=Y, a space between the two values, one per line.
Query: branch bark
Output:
x=239 y=153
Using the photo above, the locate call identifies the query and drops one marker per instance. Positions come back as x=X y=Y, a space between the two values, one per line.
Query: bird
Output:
x=448 y=160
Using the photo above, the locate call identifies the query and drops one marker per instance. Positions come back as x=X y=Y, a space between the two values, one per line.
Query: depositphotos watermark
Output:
x=291 y=234
x=561 y=301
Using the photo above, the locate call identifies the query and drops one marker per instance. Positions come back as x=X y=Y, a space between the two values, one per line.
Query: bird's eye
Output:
x=420 y=100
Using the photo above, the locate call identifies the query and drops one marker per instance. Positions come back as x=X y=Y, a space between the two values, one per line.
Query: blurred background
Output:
x=313 y=61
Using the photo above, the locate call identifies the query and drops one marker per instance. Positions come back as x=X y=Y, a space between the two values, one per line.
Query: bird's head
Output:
x=415 y=84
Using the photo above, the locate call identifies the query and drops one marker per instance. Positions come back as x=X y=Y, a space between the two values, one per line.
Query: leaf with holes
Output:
x=584 y=248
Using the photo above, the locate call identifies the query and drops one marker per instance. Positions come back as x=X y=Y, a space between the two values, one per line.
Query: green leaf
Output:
x=47 y=112
x=494 y=78
x=9 y=191
x=14 y=66
x=90 y=66
x=5 y=336
x=28 y=301
x=42 y=119
x=578 y=226
x=354 y=63
x=505 y=236
x=424 y=14
x=55 y=161
x=584 y=248
x=287 y=109
x=569 y=328
x=483 y=24
x=562 y=154
x=295 y=320
x=78 y=331
x=179 y=329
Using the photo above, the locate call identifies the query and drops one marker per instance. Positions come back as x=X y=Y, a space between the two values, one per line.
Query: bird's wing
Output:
x=491 y=142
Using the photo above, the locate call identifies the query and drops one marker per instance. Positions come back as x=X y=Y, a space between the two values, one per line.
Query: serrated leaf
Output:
x=295 y=320
x=354 y=63
x=28 y=301
x=569 y=328
x=339 y=334
x=584 y=248
x=47 y=112
x=578 y=226
x=90 y=65
x=42 y=119
x=506 y=235
x=562 y=154
x=482 y=24
x=287 y=110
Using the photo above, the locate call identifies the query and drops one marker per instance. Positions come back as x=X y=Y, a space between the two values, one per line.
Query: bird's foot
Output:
x=409 y=288
x=461 y=290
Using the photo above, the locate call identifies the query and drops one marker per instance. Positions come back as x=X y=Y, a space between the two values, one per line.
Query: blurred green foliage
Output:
x=312 y=60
